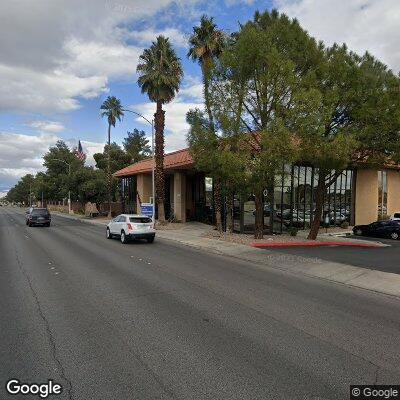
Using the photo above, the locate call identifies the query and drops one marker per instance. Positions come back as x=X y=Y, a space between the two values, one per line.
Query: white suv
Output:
x=131 y=226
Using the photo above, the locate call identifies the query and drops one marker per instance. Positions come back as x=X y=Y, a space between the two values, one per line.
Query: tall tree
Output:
x=113 y=110
x=22 y=192
x=351 y=116
x=118 y=160
x=137 y=146
x=206 y=45
x=270 y=60
x=57 y=161
x=160 y=74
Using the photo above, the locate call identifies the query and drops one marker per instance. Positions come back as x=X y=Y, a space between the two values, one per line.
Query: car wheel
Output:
x=29 y=224
x=394 y=235
x=108 y=234
x=359 y=232
x=150 y=240
x=124 y=239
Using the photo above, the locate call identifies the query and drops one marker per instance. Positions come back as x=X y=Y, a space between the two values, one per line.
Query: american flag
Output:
x=79 y=152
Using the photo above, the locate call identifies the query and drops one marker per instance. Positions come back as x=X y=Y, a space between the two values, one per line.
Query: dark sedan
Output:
x=38 y=216
x=388 y=229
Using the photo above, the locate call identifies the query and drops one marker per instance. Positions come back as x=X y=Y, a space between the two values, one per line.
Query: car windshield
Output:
x=41 y=211
x=140 y=220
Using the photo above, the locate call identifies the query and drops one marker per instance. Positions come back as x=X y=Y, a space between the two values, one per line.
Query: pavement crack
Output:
x=376 y=373
x=49 y=332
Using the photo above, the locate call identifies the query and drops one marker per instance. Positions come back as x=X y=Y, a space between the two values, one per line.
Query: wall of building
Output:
x=144 y=188
x=366 y=196
x=180 y=196
x=393 y=178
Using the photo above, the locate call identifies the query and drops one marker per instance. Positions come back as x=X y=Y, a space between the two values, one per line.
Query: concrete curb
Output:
x=362 y=278
x=318 y=243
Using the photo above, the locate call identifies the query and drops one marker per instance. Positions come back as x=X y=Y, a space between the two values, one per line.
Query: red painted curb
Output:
x=314 y=243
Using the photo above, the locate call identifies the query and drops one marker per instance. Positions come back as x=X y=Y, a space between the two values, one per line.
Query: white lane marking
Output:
x=49 y=262
x=149 y=263
x=26 y=236
x=52 y=267
x=55 y=273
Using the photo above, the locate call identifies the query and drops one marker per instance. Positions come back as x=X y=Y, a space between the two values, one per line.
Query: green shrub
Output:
x=293 y=231
x=344 y=225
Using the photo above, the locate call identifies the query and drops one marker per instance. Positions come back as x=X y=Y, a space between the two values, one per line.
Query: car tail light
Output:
x=130 y=227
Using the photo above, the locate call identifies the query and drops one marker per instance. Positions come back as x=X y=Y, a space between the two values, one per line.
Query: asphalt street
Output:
x=164 y=321
x=386 y=259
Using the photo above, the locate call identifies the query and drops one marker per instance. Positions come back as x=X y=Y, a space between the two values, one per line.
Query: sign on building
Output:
x=147 y=209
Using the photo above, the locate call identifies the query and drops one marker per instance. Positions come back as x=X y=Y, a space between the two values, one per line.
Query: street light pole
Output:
x=153 y=157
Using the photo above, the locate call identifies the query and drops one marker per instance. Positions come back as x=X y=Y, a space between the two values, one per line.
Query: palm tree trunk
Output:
x=159 y=118
x=218 y=204
x=206 y=82
x=109 y=171
x=259 y=215
x=229 y=210
x=218 y=184
x=319 y=203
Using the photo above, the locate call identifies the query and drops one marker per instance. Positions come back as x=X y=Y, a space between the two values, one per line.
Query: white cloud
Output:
x=55 y=53
x=192 y=88
x=28 y=90
x=363 y=24
x=176 y=127
x=146 y=36
x=87 y=59
x=21 y=155
x=47 y=126
x=28 y=150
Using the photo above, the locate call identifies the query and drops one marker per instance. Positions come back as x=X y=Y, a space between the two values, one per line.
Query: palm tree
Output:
x=206 y=44
x=113 y=110
x=160 y=74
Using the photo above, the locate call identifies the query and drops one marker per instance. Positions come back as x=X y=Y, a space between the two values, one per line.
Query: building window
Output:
x=382 y=194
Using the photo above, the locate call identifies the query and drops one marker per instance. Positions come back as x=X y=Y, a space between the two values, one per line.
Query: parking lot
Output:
x=385 y=259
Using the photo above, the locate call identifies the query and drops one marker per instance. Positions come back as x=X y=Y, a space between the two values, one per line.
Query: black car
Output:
x=38 y=216
x=390 y=229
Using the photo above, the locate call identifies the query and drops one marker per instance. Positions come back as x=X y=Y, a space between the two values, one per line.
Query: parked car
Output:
x=131 y=226
x=389 y=228
x=38 y=216
x=395 y=216
x=336 y=218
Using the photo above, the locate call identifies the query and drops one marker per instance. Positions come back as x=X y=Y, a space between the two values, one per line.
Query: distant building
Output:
x=358 y=196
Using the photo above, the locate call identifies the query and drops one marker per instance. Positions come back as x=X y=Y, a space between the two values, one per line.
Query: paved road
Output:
x=164 y=321
x=386 y=259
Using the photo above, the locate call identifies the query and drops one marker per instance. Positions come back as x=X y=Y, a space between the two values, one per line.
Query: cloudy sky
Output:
x=59 y=60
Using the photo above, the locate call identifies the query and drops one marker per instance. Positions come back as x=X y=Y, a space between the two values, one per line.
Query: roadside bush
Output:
x=344 y=225
x=293 y=231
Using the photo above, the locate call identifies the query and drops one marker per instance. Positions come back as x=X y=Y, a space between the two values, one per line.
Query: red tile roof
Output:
x=176 y=160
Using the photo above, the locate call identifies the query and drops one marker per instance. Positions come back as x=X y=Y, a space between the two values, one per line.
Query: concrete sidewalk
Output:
x=191 y=234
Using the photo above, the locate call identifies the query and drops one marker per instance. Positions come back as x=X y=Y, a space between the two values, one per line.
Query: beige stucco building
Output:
x=359 y=196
